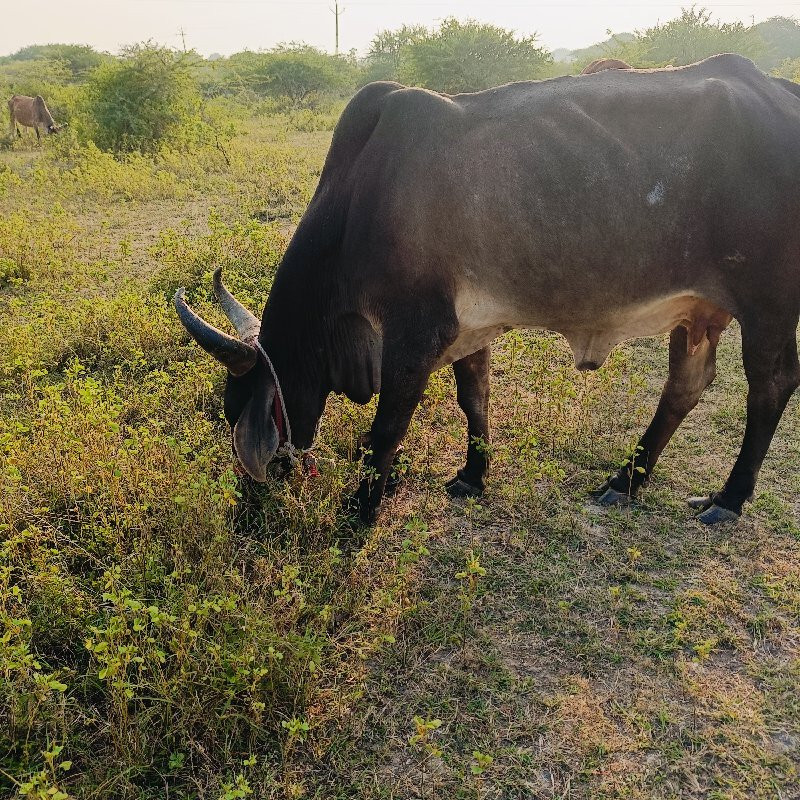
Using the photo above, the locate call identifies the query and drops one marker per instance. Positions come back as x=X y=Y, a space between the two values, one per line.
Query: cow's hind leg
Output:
x=773 y=373
x=688 y=376
x=472 y=388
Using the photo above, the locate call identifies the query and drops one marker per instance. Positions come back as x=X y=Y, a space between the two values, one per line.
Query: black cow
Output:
x=604 y=207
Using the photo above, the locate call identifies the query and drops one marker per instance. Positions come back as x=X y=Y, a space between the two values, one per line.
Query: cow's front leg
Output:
x=472 y=388
x=364 y=447
x=402 y=385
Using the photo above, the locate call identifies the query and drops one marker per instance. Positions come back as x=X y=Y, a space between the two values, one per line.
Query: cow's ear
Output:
x=255 y=435
x=355 y=358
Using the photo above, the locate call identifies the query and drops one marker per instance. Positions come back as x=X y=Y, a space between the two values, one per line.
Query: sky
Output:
x=228 y=26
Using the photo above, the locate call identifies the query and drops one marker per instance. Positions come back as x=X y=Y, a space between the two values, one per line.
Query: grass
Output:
x=165 y=631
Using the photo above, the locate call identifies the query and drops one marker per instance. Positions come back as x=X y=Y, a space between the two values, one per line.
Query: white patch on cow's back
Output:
x=655 y=197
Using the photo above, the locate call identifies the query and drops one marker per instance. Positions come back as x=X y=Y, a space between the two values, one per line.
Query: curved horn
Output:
x=247 y=324
x=237 y=356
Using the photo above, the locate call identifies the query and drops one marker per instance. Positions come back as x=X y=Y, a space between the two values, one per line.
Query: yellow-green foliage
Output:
x=149 y=625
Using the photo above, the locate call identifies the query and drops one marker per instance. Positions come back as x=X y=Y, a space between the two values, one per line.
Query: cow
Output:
x=31 y=112
x=602 y=64
x=439 y=222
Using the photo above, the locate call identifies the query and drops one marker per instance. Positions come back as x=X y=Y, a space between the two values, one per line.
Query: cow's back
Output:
x=545 y=202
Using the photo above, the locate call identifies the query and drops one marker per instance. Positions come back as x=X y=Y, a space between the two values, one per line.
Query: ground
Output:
x=166 y=631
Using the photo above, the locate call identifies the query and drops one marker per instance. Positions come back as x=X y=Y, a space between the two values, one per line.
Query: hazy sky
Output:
x=225 y=26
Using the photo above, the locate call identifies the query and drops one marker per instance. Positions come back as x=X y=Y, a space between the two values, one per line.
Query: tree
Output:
x=78 y=59
x=386 y=51
x=296 y=73
x=469 y=56
x=688 y=38
x=301 y=72
x=143 y=98
x=781 y=37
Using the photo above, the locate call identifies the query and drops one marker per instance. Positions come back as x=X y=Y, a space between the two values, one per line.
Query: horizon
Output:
x=223 y=27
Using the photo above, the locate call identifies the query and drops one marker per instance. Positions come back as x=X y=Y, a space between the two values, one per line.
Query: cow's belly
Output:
x=591 y=336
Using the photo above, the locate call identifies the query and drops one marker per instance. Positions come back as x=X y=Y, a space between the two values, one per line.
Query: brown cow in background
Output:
x=600 y=64
x=31 y=112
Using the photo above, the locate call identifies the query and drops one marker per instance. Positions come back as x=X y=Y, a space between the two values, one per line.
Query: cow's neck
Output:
x=319 y=343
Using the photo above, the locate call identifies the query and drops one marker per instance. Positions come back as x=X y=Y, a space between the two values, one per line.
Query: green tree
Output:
x=143 y=98
x=302 y=73
x=688 y=38
x=469 y=56
x=781 y=37
x=386 y=51
x=78 y=59
x=296 y=73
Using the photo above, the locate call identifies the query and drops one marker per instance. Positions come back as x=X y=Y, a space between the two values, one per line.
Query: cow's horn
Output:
x=247 y=324
x=236 y=355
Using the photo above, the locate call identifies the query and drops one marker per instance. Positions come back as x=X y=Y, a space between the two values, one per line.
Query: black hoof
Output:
x=358 y=512
x=611 y=497
x=716 y=515
x=458 y=487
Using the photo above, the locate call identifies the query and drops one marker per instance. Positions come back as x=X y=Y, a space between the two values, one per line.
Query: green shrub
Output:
x=295 y=75
x=78 y=59
x=469 y=56
x=144 y=99
x=686 y=39
x=386 y=52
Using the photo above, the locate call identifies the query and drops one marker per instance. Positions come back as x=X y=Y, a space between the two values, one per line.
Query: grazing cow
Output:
x=32 y=113
x=602 y=64
x=441 y=221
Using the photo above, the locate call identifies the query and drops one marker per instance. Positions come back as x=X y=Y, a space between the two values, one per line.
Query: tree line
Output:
x=147 y=93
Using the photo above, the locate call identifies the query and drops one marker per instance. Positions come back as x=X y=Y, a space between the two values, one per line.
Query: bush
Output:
x=470 y=56
x=781 y=37
x=143 y=99
x=386 y=52
x=686 y=39
x=296 y=75
x=78 y=59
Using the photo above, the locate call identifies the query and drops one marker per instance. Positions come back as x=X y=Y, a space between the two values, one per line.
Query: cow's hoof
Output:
x=360 y=511
x=700 y=503
x=715 y=514
x=458 y=487
x=611 y=497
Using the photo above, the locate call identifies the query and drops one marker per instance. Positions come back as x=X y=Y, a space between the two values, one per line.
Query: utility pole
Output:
x=337 y=12
x=182 y=34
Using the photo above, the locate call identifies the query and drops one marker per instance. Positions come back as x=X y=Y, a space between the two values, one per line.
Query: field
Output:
x=166 y=632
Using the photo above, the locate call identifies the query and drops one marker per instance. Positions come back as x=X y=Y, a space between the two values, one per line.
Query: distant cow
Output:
x=32 y=113
x=600 y=64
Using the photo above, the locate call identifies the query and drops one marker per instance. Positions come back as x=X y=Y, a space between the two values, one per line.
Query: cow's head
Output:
x=250 y=392
x=44 y=116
